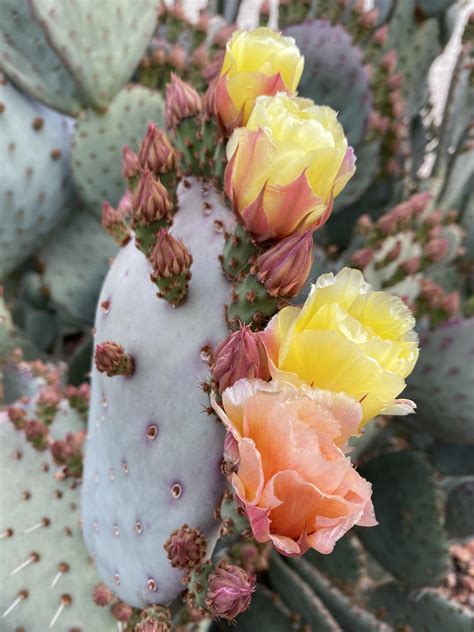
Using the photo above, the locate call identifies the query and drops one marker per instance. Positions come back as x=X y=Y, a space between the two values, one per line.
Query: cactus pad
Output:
x=34 y=189
x=99 y=138
x=153 y=455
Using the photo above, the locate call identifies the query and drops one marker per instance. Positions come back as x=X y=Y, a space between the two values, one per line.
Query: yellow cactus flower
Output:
x=286 y=166
x=255 y=63
x=348 y=339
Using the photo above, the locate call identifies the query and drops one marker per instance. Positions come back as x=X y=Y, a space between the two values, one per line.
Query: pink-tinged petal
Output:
x=368 y=518
x=259 y=522
x=400 y=407
x=227 y=114
x=254 y=217
x=346 y=171
x=234 y=400
x=232 y=426
x=231 y=449
x=286 y=546
x=293 y=207
x=250 y=471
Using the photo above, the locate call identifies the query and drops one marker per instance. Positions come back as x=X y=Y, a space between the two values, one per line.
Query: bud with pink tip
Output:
x=182 y=101
x=284 y=268
x=110 y=358
x=17 y=416
x=362 y=257
x=177 y=57
x=436 y=249
x=48 y=402
x=129 y=163
x=102 y=596
x=381 y=35
x=229 y=590
x=36 y=433
x=410 y=266
x=171 y=263
x=389 y=61
x=156 y=151
x=151 y=201
x=78 y=397
x=451 y=303
x=114 y=223
x=365 y=224
x=69 y=452
x=122 y=611
x=186 y=547
x=241 y=354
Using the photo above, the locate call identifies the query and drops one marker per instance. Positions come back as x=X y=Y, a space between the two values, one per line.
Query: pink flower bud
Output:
x=182 y=101
x=36 y=433
x=114 y=223
x=241 y=354
x=151 y=201
x=229 y=590
x=125 y=205
x=435 y=232
x=102 y=596
x=419 y=202
x=410 y=266
x=395 y=81
x=365 y=224
x=368 y=19
x=362 y=257
x=170 y=256
x=177 y=57
x=121 y=611
x=156 y=151
x=380 y=36
x=451 y=303
x=110 y=358
x=17 y=416
x=200 y=57
x=436 y=249
x=434 y=218
x=284 y=268
x=432 y=292
x=389 y=61
x=186 y=548
x=129 y=163
x=395 y=251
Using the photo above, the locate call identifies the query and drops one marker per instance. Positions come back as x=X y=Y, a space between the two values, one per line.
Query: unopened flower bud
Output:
x=186 y=547
x=241 y=354
x=102 y=596
x=389 y=61
x=362 y=257
x=156 y=151
x=171 y=263
x=110 y=358
x=436 y=249
x=451 y=303
x=36 y=433
x=182 y=101
x=151 y=201
x=113 y=221
x=17 y=416
x=177 y=57
x=410 y=266
x=284 y=268
x=69 y=452
x=365 y=224
x=129 y=163
x=394 y=252
x=121 y=611
x=381 y=35
x=229 y=590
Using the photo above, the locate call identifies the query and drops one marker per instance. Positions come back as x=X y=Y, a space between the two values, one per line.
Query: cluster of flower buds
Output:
x=69 y=453
x=110 y=358
x=412 y=238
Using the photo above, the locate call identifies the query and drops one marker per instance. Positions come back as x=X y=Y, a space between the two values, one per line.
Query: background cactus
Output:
x=151 y=453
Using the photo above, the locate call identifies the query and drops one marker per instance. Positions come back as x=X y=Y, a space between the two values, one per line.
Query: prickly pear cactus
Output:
x=47 y=575
x=147 y=443
x=35 y=188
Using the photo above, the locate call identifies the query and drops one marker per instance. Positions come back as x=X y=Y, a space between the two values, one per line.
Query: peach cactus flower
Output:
x=295 y=482
x=286 y=166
